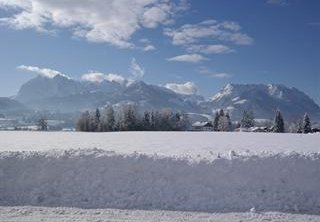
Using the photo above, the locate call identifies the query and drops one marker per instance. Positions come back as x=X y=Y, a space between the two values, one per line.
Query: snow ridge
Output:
x=95 y=178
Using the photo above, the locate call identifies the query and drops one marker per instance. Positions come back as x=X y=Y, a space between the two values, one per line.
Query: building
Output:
x=202 y=126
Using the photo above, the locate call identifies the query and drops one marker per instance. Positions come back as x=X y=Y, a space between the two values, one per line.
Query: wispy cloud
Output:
x=112 y=21
x=136 y=70
x=191 y=58
x=100 y=77
x=147 y=45
x=210 y=49
x=221 y=75
x=45 y=72
x=209 y=30
x=211 y=74
x=206 y=38
x=148 y=48
x=187 y=88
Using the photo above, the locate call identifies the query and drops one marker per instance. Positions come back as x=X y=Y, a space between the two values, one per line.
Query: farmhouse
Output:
x=202 y=126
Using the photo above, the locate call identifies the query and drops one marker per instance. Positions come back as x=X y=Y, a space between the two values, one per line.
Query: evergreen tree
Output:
x=92 y=122
x=299 y=127
x=153 y=121
x=306 y=125
x=229 y=123
x=118 y=122
x=130 y=120
x=216 y=122
x=179 y=122
x=110 y=118
x=146 y=122
x=224 y=123
x=247 y=120
x=278 y=124
x=221 y=113
x=97 y=126
x=42 y=124
x=86 y=118
x=157 y=121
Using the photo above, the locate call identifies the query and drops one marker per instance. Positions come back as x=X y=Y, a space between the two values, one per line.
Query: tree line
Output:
x=278 y=124
x=129 y=119
x=222 y=122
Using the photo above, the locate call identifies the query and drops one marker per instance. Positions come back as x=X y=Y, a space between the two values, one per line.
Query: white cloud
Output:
x=147 y=45
x=210 y=49
x=191 y=58
x=49 y=73
x=136 y=73
x=136 y=70
x=148 y=48
x=209 y=30
x=100 y=77
x=111 y=21
x=211 y=74
x=233 y=26
x=237 y=38
x=187 y=88
x=155 y=15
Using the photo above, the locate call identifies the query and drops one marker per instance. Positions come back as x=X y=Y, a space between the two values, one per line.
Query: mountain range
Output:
x=66 y=95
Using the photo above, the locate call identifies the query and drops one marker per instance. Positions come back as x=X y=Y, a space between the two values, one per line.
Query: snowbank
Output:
x=97 y=178
x=49 y=214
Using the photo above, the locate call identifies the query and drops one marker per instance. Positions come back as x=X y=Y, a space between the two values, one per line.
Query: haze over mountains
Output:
x=66 y=95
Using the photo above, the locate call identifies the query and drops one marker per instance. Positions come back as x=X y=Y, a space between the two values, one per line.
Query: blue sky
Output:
x=189 y=46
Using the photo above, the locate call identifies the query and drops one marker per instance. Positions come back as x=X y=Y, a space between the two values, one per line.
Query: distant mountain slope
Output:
x=43 y=87
x=10 y=107
x=264 y=100
x=156 y=97
x=66 y=95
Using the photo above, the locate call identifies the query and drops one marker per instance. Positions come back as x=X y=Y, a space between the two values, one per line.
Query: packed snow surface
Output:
x=43 y=214
x=162 y=143
x=200 y=171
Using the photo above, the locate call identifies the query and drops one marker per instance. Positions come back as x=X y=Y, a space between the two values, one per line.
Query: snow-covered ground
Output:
x=186 y=171
x=37 y=214
x=162 y=143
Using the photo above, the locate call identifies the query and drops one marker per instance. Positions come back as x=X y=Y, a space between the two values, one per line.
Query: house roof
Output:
x=202 y=124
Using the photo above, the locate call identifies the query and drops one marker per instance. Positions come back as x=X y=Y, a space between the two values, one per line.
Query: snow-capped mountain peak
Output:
x=227 y=90
x=264 y=100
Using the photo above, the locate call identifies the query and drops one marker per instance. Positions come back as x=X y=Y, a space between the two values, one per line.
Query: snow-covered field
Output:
x=162 y=143
x=186 y=171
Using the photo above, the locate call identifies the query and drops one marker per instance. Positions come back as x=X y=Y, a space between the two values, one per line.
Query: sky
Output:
x=189 y=46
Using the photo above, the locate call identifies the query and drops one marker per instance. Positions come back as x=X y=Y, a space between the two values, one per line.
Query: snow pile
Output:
x=97 y=178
